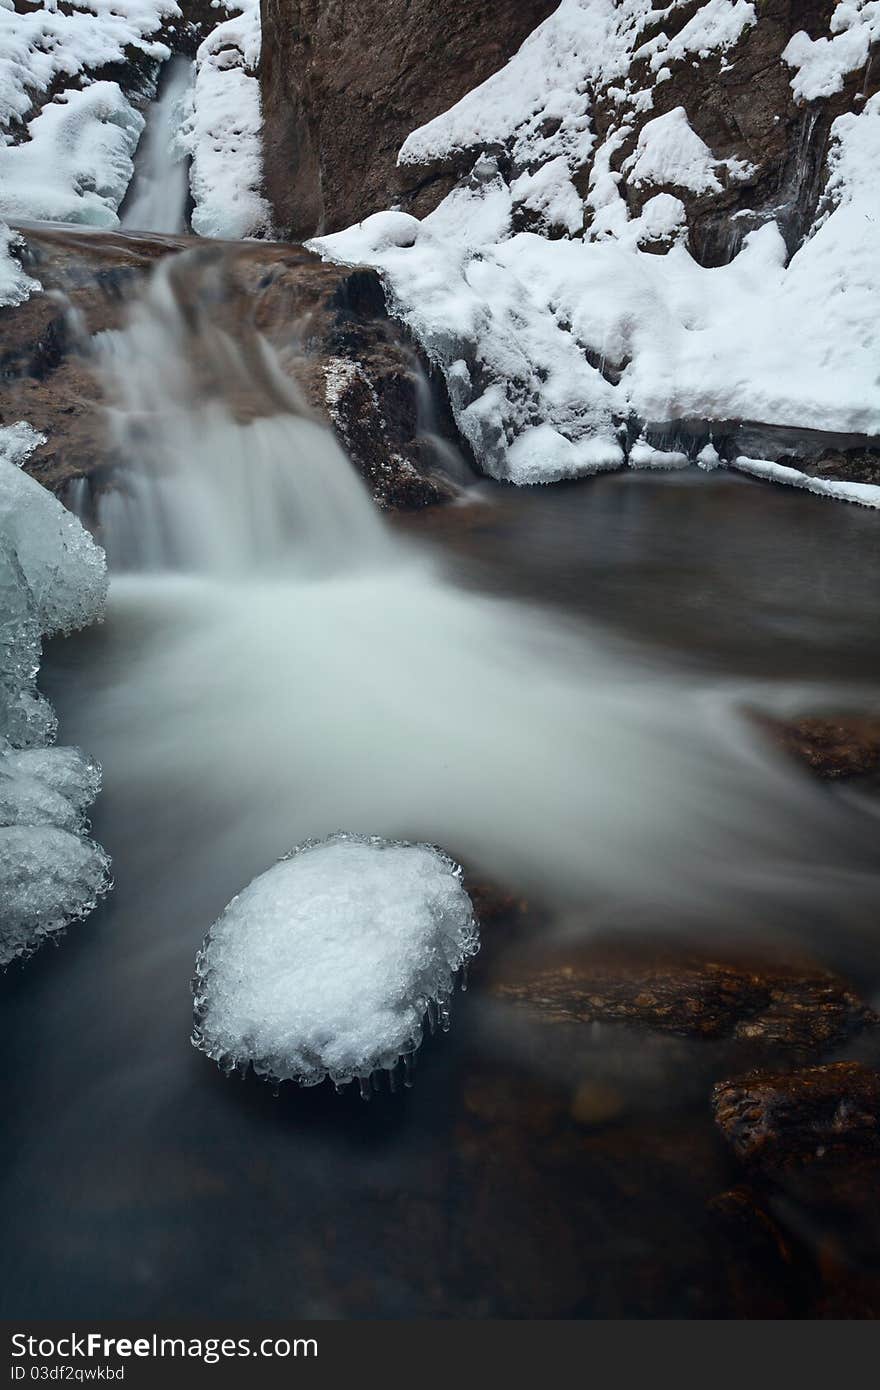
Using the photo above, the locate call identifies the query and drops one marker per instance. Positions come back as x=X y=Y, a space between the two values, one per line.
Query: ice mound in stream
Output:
x=52 y=579
x=327 y=964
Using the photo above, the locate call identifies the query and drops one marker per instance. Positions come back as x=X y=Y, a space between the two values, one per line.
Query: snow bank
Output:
x=52 y=579
x=327 y=964
x=553 y=342
x=865 y=494
x=42 y=45
x=76 y=162
x=223 y=131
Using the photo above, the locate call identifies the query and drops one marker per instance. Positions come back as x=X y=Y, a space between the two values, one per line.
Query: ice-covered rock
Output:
x=49 y=878
x=52 y=579
x=327 y=964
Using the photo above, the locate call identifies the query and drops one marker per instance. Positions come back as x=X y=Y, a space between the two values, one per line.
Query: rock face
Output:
x=357 y=367
x=343 y=86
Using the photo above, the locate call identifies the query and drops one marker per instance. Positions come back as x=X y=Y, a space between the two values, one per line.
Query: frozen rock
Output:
x=327 y=964
x=52 y=579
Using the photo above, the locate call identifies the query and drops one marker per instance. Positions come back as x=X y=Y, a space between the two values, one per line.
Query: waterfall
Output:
x=227 y=472
x=159 y=193
x=283 y=664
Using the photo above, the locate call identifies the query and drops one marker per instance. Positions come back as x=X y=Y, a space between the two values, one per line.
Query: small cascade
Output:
x=226 y=472
x=158 y=197
x=441 y=453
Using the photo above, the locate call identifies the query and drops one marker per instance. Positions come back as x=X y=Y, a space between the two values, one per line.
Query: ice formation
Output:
x=15 y=285
x=52 y=579
x=554 y=340
x=326 y=965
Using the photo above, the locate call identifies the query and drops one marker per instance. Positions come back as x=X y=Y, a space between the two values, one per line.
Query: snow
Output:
x=42 y=45
x=669 y=151
x=223 y=131
x=52 y=579
x=326 y=964
x=77 y=163
x=823 y=63
x=865 y=494
x=553 y=340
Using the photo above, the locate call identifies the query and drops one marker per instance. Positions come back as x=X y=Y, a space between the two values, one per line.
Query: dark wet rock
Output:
x=831 y=746
x=343 y=86
x=766 y=1004
x=822 y=1115
x=356 y=366
x=764 y=1270
x=810 y=1140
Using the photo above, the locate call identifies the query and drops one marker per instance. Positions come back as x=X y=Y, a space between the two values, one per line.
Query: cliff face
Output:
x=344 y=83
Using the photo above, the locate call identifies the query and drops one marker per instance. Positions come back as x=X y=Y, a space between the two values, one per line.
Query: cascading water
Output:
x=284 y=665
x=159 y=193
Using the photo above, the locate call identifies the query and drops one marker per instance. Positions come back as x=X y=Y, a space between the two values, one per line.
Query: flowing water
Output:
x=158 y=197
x=548 y=683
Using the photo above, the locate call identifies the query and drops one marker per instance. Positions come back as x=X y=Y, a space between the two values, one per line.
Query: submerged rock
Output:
x=778 y=1120
x=327 y=964
x=832 y=746
x=790 y=1005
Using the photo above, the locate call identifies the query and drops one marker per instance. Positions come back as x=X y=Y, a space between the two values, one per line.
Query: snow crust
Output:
x=223 y=130
x=327 y=963
x=553 y=341
x=52 y=579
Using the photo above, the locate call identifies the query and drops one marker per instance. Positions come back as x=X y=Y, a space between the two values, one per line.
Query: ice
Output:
x=64 y=569
x=15 y=285
x=52 y=579
x=327 y=964
x=48 y=879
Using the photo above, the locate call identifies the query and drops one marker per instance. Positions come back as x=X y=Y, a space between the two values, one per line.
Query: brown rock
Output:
x=793 y=1006
x=832 y=746
x=356 y=366
x=343 y=86
x=776 y=1120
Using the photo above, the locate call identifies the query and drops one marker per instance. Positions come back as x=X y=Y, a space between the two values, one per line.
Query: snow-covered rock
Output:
x=52 y=579
x=75 y=160
x=555 y=340
x=223 y=132
x=327 y=964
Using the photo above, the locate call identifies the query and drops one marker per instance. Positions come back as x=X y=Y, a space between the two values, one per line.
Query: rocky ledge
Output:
x=357 y=367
